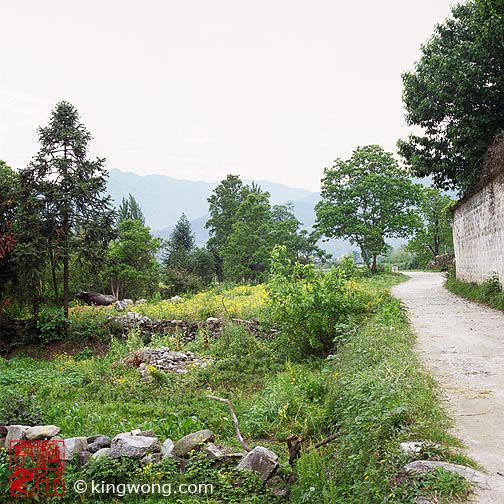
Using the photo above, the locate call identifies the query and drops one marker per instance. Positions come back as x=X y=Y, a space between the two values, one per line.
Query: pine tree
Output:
x=180 y=245
x=71 y=189
x=130 y=210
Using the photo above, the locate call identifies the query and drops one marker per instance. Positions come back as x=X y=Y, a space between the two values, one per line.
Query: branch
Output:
x=235 y=420
x=324 y=441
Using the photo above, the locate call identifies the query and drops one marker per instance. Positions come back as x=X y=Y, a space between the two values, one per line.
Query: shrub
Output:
x=315 y=309
x=52 y=325
x=20 y=410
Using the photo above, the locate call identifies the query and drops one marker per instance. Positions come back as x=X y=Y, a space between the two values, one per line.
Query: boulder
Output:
x=167 y=448
x=424 y=466
x=133 y=446
x=99 y=443
x=82 y=459
x=176 y=299
x=42 y=432
x=73 y=446
x=212 y=452
x=3 y=430
x=119 y=306
x=102 y=452
x=153 y=458
x=277 y=486
x=192 y=442
x=260 y=460
x=147 y=433
x=93 y=438
x=15 y=433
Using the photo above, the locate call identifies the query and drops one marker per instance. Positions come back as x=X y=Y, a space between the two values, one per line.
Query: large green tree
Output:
x=8 y=189
x=224 y=203
x=434 y=236
x=455 y=94
x=180 y=245
x=367 y=199
x=133 y=270
x=130 y=209
x=246 y=252
x=71 y=189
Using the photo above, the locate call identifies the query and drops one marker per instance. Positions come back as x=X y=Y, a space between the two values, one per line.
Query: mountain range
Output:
x=163 y=199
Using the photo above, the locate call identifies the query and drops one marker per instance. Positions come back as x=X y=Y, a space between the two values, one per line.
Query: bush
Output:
x=315 y=309
x=20 y=410
x=52 y=325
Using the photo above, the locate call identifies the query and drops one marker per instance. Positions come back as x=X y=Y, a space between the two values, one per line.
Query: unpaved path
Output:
x=462 y=344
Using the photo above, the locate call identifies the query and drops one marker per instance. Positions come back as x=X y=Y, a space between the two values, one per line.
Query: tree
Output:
x=301 y=246
x=224 y=203
x=245 y=254
x=435 y=235
x=130 y=209
x=8 y=187
x=455 y=94
x=70 y=189
x=133 y=267
x=180 y=245
x=367 y=199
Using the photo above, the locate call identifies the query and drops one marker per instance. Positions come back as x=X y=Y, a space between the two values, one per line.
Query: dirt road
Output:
x=462 y=344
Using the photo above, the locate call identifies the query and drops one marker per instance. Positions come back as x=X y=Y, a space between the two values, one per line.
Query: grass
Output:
x=372 y=392
x=489 y=292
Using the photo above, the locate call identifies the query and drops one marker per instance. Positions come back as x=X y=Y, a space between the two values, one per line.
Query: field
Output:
x=368 y=389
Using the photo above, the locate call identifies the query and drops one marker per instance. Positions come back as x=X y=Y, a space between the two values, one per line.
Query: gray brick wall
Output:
x=478 y=233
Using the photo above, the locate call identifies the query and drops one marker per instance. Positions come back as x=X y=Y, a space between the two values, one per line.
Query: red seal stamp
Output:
x=36 y=468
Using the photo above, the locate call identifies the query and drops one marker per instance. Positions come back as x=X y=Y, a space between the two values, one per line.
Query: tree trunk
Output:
x=53 y=271
x=66 y=231
x=373 y=268
x=365 y=256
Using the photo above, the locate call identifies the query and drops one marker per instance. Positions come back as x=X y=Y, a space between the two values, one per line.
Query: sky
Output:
x=197 y=89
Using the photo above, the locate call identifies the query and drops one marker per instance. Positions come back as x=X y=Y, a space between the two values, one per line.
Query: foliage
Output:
x=366 y=199
x=223 y=206
x=434 y=236
x=130 y=210
x=245 y=254
x=132 y=256
x=203 y=264
x=67 y=191
x=16 y=409
x=179 y=281
x=52 y=325
x=454 y=95
x=490 y=292
x=314 y=309
x=400 y=257
x=180 y=245
x=8 y=184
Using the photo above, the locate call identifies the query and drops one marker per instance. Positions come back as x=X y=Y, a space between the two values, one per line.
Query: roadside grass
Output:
x=489 y=292
x=372 y=392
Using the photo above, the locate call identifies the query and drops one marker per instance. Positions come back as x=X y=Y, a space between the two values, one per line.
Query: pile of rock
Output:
x=146 y=446
x=147 y=360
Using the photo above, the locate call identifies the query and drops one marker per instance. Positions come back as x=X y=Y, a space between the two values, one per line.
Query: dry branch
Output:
x=235 y=420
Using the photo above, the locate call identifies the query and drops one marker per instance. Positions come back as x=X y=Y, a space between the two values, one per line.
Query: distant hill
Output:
x=163 y=199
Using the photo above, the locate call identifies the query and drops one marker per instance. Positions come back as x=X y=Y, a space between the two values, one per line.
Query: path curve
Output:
x=462 y=343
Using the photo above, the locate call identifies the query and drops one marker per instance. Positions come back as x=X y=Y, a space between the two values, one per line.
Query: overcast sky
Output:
x=197 y=89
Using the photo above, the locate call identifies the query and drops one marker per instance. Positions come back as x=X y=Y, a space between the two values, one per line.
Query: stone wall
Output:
x=478 y=230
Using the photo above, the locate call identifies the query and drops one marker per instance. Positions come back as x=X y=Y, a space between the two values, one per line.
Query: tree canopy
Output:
x=130 y=209
x=367 y=199
x=455 y=94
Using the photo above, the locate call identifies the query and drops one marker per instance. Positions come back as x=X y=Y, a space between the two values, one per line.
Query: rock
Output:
x=181 y=462
x=15 y=433
x=99 y=443
x=75 y=445
x=93 y=438
x=141 y=301
x=119 y=306
x=147 y=433
x=233 y=457
x=2 y=443
x=154 y=458
x=212 y=452
x=277 y=486
x=127 y=301
x=260 y=460
x=82 y=459
x=42 y=432
x=192 y=442
x=133 y=446
x=136 y=432
x=167 y=448
x=424 y=466
x=3 y=430
x=102 y=452
x=176 y=299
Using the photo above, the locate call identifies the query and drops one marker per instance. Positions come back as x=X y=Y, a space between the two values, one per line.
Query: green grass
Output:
x=489 y=292
x=373 y=392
